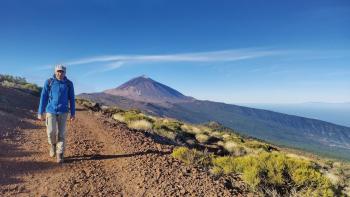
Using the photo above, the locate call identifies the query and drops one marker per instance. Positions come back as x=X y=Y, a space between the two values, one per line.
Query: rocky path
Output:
x=103 y=158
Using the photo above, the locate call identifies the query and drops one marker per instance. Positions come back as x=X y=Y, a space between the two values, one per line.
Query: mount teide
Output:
x=147 y=90
x=155 y=98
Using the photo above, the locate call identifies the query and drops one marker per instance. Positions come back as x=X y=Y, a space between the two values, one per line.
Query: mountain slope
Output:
x=294 y=131
x=146 y=89
x=103 y=158
x=309 y=134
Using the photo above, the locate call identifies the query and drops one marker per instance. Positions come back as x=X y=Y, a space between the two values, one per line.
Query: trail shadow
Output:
x=12 y=150
x=17 y=112
x=12 y=167
x=81 y=109
x=105 y=157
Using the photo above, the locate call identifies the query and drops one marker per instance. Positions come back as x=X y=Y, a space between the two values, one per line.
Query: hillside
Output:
x=103 y=158
x=293 y=131
x=267 y=169
x=115 y=152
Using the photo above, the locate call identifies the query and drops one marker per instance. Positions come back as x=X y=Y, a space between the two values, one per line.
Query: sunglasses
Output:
x=60 y=71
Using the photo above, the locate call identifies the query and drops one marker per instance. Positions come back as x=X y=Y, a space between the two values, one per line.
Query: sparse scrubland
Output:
x=267 y=169
x=19 y=83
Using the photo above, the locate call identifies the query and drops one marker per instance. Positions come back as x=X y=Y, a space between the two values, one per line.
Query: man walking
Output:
x=58 y=91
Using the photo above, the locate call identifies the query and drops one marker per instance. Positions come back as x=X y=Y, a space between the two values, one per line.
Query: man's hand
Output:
x=40 y=117
x=72 y=118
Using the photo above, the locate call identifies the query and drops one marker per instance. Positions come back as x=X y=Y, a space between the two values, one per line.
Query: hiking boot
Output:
x=52 y=150
x=60 y=158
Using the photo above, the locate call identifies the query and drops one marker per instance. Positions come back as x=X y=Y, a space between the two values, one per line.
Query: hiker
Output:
x=57 y=92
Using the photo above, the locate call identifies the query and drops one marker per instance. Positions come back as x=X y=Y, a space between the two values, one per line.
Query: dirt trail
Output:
x=103 y=158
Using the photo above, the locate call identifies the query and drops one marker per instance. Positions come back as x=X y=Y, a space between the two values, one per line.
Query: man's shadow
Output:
x=72 y=159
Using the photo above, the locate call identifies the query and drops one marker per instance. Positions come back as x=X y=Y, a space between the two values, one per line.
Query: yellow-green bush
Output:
x=141 y=125
x=186 y=128
x=257 y=145
x=224 y=165
x=216 y=134
x=231 y=137
x=166 y=133
x=234 y=149
x=191 y=129
x=167 y=124
x=275 y=170
x=135 y=115
x=32 y=87
x=308 y=177
x=202 y=138
x=192 y=156
x=118 y=117
x=112 y=110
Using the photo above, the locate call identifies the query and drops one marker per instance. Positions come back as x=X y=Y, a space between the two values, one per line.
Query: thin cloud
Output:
x=116 y=61
x=214 y=56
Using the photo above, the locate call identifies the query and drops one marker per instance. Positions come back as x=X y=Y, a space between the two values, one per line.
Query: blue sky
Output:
x=230 y=51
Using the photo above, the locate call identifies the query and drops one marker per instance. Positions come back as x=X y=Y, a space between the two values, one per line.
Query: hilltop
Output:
x=146 y=89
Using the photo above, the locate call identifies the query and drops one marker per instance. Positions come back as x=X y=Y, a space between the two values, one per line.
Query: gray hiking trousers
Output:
x=56 y=129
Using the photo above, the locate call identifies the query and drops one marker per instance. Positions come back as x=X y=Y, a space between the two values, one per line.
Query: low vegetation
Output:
x=19 y=83
x=265 y=172
x=265 y=168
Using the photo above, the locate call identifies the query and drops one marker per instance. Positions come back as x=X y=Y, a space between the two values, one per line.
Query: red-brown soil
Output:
x=102 y=158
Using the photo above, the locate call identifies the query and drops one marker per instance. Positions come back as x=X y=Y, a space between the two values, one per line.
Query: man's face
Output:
x=59 y=74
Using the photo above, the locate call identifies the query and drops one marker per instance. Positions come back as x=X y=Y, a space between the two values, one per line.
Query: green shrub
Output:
x=118 y=117
x=216 y=134
x=186 y=128
x=224 y=165
x=257 y=145
x=310 y=178
x=12 y=79
x=191 y=129
x=30 y=86
x=140 y=125
x=192 y=156
x=166 y=133
x=8 y=84
x=111 y=110
x=233 y=148
x=134 y=115
x=232 y=137
x=167 y=124
x=202 y=138
x=273 y=171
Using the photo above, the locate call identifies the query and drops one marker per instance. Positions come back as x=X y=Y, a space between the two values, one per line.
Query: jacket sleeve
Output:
x=44 y=97
x=72 y=100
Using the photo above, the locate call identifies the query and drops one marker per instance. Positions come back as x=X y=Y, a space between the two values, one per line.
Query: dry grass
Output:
x=141 y=125
x=234 y=148
x=118 y=117
x=202 y=138
x=216 y=134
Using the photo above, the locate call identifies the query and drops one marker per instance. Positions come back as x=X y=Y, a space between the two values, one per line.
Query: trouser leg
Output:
x=51 y=128
x=61 y=123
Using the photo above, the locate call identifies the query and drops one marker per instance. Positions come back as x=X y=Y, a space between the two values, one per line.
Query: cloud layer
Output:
x=111 y=62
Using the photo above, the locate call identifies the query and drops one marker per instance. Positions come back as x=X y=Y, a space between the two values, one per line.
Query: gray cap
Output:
x=60 y=67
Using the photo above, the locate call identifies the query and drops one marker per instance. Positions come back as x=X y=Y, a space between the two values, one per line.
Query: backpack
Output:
x=50 y=80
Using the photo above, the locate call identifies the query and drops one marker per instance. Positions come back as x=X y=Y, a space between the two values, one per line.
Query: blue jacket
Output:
x=55 y=96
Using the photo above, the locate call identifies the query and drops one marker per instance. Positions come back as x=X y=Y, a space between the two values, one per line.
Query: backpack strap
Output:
x=50 y=80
